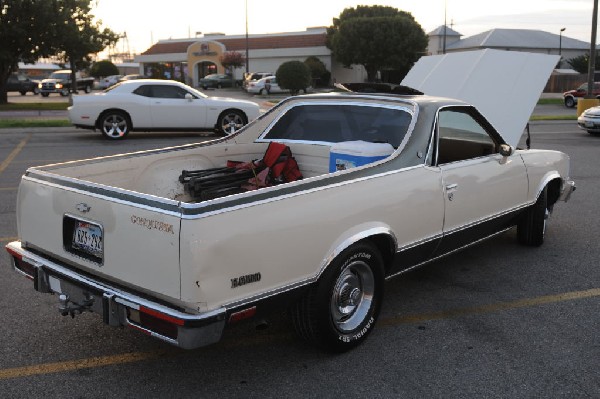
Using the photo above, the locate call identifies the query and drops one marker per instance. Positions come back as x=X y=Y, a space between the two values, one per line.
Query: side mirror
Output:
x=506 y=150
x=189 y=97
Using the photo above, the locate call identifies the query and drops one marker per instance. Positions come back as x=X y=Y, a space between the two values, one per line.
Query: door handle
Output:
x=450 y=188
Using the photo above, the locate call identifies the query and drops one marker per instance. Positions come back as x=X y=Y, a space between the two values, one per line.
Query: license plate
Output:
x=589 y=124
x=88 y=237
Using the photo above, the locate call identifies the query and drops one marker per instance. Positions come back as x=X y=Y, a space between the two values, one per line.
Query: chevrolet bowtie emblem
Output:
x=83 y=208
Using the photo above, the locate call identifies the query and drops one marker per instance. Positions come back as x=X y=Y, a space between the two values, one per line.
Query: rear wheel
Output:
x=88 y=89
x=45 y=94
x=532 y=228
x=230 y=122
x=115 y=125
x=340 y=311
x=23 y=92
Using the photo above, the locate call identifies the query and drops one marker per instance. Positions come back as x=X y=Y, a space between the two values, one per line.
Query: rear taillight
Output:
x=26 y=268
x=154 y=321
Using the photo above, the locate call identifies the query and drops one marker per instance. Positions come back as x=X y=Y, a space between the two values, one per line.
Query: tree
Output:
x=318 y=71
x=79 y=35
x=26 y=35
x=376 y=37
x=293 y=76
x=580 y=63
x=232 y=60
x=103 y=68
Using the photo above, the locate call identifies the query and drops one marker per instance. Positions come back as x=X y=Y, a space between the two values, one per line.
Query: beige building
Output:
x=188 y=60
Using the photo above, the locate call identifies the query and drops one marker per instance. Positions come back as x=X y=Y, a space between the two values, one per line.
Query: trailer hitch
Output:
x=68 y=307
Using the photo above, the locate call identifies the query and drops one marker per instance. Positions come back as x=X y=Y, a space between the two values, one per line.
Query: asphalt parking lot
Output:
x=497 y=320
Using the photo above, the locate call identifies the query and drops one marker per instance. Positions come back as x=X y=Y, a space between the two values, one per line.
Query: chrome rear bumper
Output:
x=78 y=293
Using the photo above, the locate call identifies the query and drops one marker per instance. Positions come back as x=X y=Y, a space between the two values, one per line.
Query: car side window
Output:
x=143 y=90
x=333 y=124
x=461 y=136
x=167 y=91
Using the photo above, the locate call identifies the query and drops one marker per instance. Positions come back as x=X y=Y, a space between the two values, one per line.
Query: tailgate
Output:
x=116 y=235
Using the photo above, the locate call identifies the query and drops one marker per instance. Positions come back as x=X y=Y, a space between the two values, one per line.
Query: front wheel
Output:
x=115 y=125
x=340 y=311
x=230 y=122
x=64 y=92
x=88 y=89
x=45 y=94
x=569 y=102
x=532 y=228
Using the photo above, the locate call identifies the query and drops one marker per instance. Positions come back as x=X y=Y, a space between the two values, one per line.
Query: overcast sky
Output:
x=147 y=22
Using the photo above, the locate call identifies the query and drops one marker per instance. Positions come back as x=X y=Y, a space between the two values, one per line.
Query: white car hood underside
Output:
x=504 y=85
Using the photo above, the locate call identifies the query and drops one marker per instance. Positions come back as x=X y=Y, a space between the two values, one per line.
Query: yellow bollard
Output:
x=585 y=103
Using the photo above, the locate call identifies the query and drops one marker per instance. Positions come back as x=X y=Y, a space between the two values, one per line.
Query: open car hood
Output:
x=504 y=85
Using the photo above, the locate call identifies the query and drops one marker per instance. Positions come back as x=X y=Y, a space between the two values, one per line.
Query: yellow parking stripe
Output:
x=92 y=362
x=102 y=361
x=14 y=153
x=495 y=307
x=8 y=239
x=9 y=188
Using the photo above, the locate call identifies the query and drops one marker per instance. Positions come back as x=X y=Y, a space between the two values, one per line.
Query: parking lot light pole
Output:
x=560 y=46
x=247 y=58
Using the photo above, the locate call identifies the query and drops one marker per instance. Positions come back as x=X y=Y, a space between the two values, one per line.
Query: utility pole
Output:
x=592 y=60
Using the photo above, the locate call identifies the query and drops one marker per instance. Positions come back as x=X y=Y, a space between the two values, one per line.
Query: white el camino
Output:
x=135 y=246
x=149 y=104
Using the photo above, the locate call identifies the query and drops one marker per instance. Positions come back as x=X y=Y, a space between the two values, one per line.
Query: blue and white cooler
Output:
x=350 y=154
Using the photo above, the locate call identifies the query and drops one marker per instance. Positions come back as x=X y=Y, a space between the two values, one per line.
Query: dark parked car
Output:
x=216 y=81
x=22 y=84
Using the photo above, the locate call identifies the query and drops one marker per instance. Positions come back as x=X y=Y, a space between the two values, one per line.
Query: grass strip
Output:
x=49 y=106
x=18 y=123
x=553 y=118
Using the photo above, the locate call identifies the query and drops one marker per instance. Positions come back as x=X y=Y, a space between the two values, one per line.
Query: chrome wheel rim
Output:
x=352 y=296
x=232 y=123
x=546 y=216
x=114 y=126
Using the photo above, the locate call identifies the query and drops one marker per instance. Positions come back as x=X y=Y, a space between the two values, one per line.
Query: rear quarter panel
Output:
x=288 y=240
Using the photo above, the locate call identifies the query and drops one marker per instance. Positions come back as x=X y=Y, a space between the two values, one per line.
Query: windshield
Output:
x=60 y=75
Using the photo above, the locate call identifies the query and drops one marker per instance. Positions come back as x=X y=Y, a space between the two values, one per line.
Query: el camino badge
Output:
x=151 y=224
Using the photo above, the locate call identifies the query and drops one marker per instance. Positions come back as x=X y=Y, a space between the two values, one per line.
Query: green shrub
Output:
x=293 y=76
x=103 y=68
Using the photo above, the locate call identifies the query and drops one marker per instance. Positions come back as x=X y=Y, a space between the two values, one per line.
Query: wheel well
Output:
x=553 y=191
x=386 y=246
x=113 y=110
x=236 y=110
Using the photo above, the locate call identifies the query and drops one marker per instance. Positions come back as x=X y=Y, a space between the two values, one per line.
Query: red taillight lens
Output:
x=24 y=267
x=154 y=321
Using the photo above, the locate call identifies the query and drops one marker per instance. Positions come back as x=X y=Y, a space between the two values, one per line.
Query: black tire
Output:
x=64 y=92
x=569 y=102
x=45 y=94
x=340 y=311
x=23 y=92
x=219 y=86
x=532 y=227
x=260 y=92
x=36 y=91
x=114 y=125
x=88 y=89
x=231 y=121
